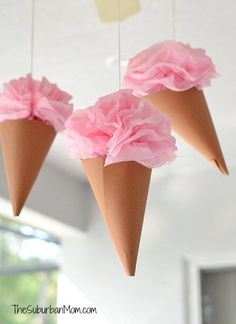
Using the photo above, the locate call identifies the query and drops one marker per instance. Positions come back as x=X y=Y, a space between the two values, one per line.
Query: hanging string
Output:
x=173 y=20
x=119 y=44
x=32 y=36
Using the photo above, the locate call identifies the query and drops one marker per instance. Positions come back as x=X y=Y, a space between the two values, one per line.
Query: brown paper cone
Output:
x=191 y=119
x=94 y=171
x=25 y=144
x=126 y=187
x=121 y=191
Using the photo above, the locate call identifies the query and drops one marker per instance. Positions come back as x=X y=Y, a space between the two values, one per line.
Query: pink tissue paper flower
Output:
x=121 y=127
x=169 y=65
x=26 y=98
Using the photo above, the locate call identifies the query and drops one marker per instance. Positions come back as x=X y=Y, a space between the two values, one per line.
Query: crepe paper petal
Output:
x=86 y=140
x=26 y=98
x=121 y=127
x=169 y=65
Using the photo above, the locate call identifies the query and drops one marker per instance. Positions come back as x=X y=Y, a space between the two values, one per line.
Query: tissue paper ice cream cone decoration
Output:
x=119 y=140
x=31 y=113
x=172 y=75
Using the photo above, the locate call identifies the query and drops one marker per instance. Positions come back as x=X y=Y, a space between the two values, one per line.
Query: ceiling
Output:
x=75 y=49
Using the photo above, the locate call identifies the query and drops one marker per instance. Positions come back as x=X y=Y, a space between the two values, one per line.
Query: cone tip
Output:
x=130 y=273
x=129 y=265
x=17 y=210
x=221 y=167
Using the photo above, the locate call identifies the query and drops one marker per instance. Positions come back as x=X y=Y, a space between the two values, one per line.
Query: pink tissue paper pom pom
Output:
x=32 y=99
x=169 y=65
x=121 y=127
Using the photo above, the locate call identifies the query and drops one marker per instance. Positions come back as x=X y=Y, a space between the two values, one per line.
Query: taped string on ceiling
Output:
x=32 y=36
x=173 y=20
x=119 y=44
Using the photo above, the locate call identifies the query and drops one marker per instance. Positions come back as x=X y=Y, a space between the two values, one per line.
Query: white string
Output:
x=173 y=20
x=32 y=36
x=119 y=45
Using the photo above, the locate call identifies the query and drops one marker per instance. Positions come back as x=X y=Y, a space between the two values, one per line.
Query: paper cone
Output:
x=126 y=187
x=191 y=119
x=121 y=191
x=25 y=144
x=94 y=171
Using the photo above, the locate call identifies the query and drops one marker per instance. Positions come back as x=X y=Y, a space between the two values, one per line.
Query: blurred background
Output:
x=58 y=252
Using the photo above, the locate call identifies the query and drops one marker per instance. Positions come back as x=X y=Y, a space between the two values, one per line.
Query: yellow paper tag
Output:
x=108 y=9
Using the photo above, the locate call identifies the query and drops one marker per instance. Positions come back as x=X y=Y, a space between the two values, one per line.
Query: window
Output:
x=28 y=272
x=218 y=296
x=211 y=289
